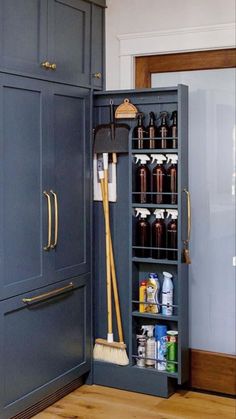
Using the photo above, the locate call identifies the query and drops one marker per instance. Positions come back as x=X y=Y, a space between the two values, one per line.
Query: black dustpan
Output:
x=111 y=138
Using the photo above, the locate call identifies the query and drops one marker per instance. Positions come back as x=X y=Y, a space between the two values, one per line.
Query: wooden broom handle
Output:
x=113 y=276
x=108 y=266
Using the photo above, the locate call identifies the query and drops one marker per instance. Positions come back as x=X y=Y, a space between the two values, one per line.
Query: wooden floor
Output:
x=96 y=402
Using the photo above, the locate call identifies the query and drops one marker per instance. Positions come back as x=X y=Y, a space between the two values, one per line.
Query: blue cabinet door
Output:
x=71 y=179
x=23 y=40
x=69 y=41
x=45 y=344
x=24 y=162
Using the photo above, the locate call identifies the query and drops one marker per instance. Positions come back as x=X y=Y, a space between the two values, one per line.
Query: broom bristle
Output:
x=109 y=353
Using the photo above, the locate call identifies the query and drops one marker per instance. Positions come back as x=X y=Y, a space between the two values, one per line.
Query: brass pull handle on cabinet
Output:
x=186 y=254
x=49 y=294
x=56 y=220
x=97 y=75
x=49 y=66
x=47 y=247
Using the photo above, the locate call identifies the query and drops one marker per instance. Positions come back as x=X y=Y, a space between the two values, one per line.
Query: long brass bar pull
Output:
x=56 y=220
x=186 y=254
x=49 y=294
x=47 y=247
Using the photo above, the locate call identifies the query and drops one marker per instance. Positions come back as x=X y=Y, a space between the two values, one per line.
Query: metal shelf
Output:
x=154 y=316
x=155 y=261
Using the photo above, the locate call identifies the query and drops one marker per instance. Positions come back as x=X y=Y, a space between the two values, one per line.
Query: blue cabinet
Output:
x=45 y=166
x=45 y=343
x=51 y=39
x=97 y=47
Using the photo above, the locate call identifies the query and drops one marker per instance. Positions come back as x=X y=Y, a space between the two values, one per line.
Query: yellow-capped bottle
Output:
x=142 y=296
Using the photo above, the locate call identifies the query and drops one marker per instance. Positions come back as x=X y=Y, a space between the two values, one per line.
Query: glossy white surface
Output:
x=212 y=173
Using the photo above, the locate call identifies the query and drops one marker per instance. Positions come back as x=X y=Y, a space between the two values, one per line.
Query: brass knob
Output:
x=49 y=66
x=46 y=65
x=97 y=75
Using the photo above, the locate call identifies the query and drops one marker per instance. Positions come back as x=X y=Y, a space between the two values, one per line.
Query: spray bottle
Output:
x=141 y=350
x=158 y=178
x=172 y=239
x=173 y=131
x=167 y=294
x=152 y=131
x=150 y=345
x=142 y=232
x=159 y=235
x=139 y=132
x=142 y=178
x=171 y=176
x=163 y=130
x=152 y=294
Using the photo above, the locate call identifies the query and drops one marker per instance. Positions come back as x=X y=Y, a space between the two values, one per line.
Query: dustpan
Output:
x=112 y=137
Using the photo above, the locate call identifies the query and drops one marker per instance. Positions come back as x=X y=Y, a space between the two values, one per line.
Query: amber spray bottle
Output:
x=172 y=238
x=163 y=130
x=173 y=131
x=159 y=235
x=172 y=179
x=158 y=179
x=142 y=178
x=143 y=235
x=151 y=131
x=139 y=132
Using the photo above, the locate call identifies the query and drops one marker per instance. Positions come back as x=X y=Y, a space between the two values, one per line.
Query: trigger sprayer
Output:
x=172 y=178
x=148 y=330
x=158 y=178
x=142 y=233
x=142 y=178
x=159 y=235
x=172 y=238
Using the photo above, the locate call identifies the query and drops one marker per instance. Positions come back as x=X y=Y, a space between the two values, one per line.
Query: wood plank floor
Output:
x=96 y=402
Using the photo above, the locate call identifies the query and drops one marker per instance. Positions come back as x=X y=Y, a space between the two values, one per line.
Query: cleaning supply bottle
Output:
x=142 y=178
x=142 y=296
x=152 y=131
x=163 y=130
x=161 y=346
x=148 y=330
x=159 y=235
x=142 y=232
x=158 y=178
x=152 y=294
x=172 y=179
x=173 y=131
x=139 y=132
x=141 y=350
x=172 y=237
x=167 y=294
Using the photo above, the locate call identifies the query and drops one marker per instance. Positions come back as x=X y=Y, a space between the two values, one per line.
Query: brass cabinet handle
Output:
x=189 y=214
x=49 y=294
x=56 y=220
x=97 y=75
x=47 y=247
x=49 y=66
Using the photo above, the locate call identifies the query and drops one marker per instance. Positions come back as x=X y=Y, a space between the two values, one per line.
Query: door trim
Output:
x=187 y=61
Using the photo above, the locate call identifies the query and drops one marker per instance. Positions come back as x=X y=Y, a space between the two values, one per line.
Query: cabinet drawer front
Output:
x=44 y=344
x=23 y=43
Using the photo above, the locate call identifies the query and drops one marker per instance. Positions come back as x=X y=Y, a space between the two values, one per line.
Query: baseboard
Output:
x=213 y=371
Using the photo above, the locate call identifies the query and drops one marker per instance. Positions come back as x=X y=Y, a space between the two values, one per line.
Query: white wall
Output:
x=137 y=16
x=167 y=20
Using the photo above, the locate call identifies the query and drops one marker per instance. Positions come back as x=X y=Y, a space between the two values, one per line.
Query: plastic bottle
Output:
x=161 y=346
x=163 y=130
x=158 y=178
x=150 y=346
x=173 y=131
x=167 y=294
x=141 y=350
x=142 y=296
x=142 y=232
x=159 y=235
x=172 y=238
x=142 y=178
x=172 y=179
x=139 y=132
x=152 y=131
x=152 y=290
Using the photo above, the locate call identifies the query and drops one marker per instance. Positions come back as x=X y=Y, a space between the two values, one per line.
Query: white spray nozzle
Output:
x=167 y=275
x=159 y=213
x=143 y=158
x=159 y=158
x=149 y=330
x=173 y=158
x=173 y=214
x=143 y=212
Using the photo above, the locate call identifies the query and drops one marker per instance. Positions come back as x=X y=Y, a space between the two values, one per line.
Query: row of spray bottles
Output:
x=151 y=293
x=157 y=348
x=159 y=185
x=153 y=136
x=161 y=235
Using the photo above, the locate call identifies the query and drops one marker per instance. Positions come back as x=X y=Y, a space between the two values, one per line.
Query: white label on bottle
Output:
x=167 y=298
x=150 y=352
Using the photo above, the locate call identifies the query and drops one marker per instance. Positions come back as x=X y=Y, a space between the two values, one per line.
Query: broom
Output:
x=108 y=350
